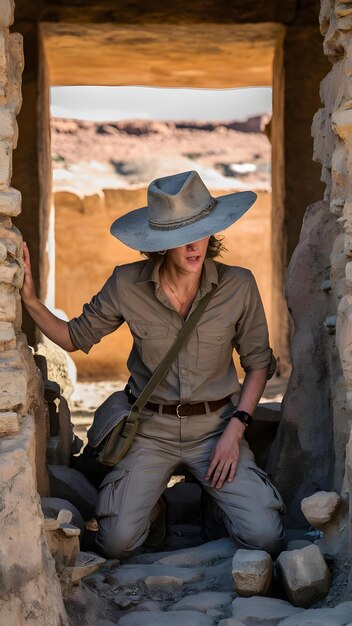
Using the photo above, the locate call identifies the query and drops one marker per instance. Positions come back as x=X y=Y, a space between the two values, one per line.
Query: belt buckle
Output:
x=177 y=411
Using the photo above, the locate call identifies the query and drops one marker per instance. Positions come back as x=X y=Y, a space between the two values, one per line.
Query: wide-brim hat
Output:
x=180 y=210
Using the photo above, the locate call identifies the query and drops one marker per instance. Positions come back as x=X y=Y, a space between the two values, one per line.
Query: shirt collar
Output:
x=150 y=273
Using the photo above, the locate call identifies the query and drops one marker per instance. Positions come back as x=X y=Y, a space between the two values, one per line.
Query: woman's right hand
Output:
x=27 y=292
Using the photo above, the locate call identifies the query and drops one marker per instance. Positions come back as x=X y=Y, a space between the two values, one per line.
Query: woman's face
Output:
x=188 y=258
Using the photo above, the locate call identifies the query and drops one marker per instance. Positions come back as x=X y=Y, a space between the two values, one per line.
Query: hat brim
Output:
x=133 y=228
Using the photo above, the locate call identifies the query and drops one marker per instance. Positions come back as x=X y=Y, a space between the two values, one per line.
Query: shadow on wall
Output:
x=86 y=254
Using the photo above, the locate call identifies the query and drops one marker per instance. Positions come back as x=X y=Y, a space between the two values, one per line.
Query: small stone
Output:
x=324 y=511
x=305 y=575
x=203 y=602
x=263 y=611
x=64 y=516
x=51 y=508
x=251 y=572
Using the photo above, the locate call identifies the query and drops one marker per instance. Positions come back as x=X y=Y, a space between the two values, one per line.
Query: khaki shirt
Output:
x=204 y=369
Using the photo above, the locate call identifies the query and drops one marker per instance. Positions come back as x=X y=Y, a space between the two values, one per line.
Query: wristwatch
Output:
x=244 y=417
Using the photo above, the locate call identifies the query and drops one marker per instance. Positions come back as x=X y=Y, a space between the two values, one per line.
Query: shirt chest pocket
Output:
x=214 y=348
x=152 y=340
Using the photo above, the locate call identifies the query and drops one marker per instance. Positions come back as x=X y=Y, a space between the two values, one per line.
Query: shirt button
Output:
x=219 y=338
x=183 y=371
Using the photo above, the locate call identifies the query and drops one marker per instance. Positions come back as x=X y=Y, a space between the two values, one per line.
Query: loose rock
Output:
x=305 y=575
x=340 y=615
x=324 y=510
x=251 y=572
x=206 y=554
x=52 y=506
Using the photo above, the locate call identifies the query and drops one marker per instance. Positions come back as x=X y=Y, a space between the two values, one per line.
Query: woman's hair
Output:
x=215 y=248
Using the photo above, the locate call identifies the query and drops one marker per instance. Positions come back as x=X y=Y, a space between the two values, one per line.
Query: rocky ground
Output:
x=132 y=152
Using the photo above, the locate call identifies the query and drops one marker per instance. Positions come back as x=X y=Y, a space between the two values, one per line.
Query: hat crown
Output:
x=176 y=200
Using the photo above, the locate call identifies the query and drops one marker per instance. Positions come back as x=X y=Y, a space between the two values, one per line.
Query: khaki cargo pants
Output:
x=251 y=506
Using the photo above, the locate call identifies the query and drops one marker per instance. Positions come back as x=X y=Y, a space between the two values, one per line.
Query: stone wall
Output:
x=86 y=257
x=328 y=376
x=31 y=592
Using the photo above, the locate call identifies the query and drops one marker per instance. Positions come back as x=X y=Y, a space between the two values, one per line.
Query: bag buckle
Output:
x=179 y=406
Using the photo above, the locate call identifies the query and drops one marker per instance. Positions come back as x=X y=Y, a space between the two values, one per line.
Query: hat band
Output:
x=185 y=221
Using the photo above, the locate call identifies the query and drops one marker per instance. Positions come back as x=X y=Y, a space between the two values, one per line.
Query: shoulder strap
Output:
x=172 y=353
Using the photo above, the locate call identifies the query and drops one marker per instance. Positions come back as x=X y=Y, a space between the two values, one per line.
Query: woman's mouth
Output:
x=193 y=259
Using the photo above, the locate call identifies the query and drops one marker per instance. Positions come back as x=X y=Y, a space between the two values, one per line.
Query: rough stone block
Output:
x=324 y=510
x=5 y=164
x=16 y=64
x=251 y=572
x=263 y=611
x=305 y=575
x=7 y=335
x=13 y=388
x=7 y=307
x=64 y=549
x=7 y=9
x=8 y=125
x=8 y=423
x=71 y=485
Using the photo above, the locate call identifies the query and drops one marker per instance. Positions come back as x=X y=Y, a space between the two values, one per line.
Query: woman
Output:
x=198 y=414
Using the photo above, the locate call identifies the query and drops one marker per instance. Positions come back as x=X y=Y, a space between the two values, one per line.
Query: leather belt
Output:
x=181 y=410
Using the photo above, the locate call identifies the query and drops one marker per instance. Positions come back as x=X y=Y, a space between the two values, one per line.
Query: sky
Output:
x=117 y=103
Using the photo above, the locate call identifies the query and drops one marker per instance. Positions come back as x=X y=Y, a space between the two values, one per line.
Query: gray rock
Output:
x=149 y=605
x=261 y=611
x=51 y=507
x=251 y=572
x=325 y=511
x=68 y=483
x=305 y=575
x=206 y=554
x=338 y=616
x=203 y=601
x=170 y=618
x=162 y=577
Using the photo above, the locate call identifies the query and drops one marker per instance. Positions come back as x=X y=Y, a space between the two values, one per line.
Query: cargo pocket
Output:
x=112 y=493
x=266 y=480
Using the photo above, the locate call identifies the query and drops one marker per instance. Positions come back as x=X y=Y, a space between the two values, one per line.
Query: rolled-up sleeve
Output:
x=251 y=340
x=99 y=317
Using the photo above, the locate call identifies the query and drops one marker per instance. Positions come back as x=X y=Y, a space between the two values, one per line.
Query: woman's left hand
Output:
x=225 y=456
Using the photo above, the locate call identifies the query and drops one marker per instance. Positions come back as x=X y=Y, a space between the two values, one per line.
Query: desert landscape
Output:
x=102 y=170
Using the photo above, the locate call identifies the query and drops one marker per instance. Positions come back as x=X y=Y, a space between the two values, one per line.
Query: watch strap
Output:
x=243 y=416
